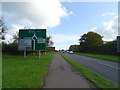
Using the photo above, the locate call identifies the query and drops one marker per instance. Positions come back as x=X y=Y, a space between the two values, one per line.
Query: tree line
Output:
x=92 y=42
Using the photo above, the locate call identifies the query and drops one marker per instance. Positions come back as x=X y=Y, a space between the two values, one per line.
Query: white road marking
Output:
x=102 y=63
x=108 y=65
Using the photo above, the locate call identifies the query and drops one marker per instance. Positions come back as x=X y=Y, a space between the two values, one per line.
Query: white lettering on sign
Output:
x=40 y=40
x=25 y=43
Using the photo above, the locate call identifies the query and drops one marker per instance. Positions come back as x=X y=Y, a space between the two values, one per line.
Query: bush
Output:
x=10 y=49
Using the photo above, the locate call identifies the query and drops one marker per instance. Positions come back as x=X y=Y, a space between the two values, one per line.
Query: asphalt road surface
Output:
x=107 y=69
x=63 y=75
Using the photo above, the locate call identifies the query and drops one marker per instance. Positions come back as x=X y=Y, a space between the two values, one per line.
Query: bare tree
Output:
x=15 y=38
x=49 y=41
x=3 y=29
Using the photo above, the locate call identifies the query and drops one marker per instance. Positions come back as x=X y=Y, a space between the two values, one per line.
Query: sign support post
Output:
x=24 y=54
x=39 y=53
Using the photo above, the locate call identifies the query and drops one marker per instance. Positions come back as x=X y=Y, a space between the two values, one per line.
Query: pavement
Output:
x=108 y=69
x=63 y=75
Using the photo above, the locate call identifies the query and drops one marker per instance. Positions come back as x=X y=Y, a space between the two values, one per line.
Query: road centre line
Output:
x=108 y=65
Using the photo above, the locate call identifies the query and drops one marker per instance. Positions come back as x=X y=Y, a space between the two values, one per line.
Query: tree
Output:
x=3 y=29
x=109 y=48
x=49 y=41
x=16 y=38
x=74 y=48
x=90 y=41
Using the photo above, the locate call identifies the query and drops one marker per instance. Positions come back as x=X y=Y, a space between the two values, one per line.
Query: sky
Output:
x=64 y=21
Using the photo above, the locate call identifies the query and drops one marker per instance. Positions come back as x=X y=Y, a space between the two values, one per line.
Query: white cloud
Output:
x=64 y=46
x=36 y=13
x=109 y=30
x=71 y=13
x=108 y=14
x=93 y=29
x=59 y=38
x=39 y=13
x=62 y=41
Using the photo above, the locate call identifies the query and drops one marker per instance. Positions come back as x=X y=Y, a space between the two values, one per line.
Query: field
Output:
x=101 y=56
x=20 y=72
x=96 y=79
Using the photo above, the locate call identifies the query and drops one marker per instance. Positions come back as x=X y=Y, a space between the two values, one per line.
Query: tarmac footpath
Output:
x=63 y=75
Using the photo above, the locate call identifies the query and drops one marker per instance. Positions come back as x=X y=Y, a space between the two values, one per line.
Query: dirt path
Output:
x=63 y=75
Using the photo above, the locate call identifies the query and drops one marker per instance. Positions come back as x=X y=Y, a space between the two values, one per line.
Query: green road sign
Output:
x=32 y=40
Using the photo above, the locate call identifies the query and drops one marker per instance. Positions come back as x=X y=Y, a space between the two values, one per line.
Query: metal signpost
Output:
x=118 y=44
x=32 y=40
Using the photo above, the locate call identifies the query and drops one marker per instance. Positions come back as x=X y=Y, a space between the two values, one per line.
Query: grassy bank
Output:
x=20 y=72
x=101 y=56
x=96 y=79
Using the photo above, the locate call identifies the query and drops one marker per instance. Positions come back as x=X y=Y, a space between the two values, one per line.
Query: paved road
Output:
x=63 y=75
x=108 y=69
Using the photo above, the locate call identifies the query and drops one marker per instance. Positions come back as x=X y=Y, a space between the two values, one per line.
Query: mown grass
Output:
x=96 y=79
x=20 y=72
x=101 y=56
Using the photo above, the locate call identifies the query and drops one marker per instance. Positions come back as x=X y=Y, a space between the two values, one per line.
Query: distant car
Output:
x=63 y=51
x=67 y=51
x=71 y=52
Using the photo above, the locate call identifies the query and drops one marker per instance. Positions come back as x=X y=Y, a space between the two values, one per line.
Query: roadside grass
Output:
x=29 y=72
x=101 y=56
x=96 y=79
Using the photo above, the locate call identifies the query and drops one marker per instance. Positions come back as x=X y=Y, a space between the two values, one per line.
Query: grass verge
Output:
x=96 y=79
x=20 y=72
x=100 y=56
